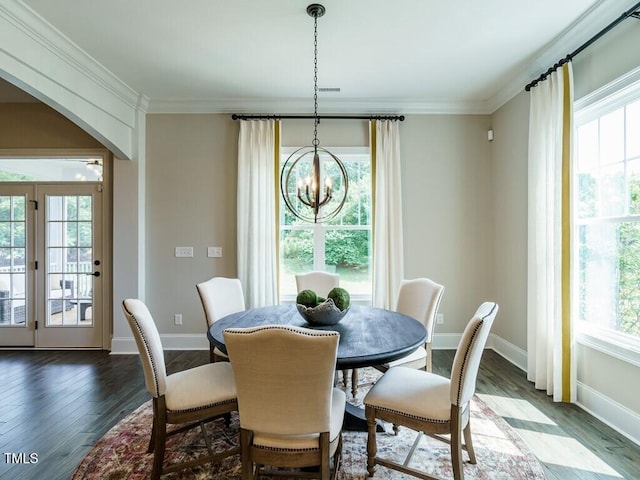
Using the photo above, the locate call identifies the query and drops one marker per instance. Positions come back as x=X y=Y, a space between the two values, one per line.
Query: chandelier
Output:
x=305 y=196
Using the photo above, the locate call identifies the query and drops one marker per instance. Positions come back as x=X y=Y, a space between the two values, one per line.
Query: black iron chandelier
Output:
x=300 y=180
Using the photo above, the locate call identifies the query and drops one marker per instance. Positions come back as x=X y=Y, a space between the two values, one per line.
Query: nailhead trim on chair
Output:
x=466 y=353
x=405 y=414
x=317 y=333
x=203 y=407
x=146 y=346
x=464 y=360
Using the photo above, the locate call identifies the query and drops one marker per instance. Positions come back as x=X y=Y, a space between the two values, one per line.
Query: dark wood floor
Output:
x=58 y=404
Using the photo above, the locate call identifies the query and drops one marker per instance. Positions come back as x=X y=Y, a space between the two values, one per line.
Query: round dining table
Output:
x=368 y=336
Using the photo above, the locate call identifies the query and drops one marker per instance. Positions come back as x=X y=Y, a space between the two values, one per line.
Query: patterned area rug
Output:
x=501 y=453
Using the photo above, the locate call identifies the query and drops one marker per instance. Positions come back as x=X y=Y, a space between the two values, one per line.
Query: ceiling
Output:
x=257 y=56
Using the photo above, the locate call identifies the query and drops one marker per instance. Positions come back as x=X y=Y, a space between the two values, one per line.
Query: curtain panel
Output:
x=257 y=226
x=388 y=250
x=549 y=331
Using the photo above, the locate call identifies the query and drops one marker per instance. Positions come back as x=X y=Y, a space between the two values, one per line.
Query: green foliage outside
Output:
x=347 y=250
x=622 y=256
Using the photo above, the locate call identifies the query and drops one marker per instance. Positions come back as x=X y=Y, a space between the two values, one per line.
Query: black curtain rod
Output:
x=632 y=12
x=238 y=116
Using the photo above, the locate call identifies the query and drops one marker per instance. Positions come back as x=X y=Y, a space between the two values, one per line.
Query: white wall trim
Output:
x=620 y=418
x=193 y=341
x=46 y=64
x=591 y=22
x=509 y=351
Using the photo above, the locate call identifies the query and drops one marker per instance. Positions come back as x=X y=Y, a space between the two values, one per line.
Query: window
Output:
x=607 y=217
x=343 y=244
x=51 y=169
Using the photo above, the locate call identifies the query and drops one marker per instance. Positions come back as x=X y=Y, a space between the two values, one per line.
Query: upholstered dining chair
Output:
x=429 y=403
x=191 y=397
x=418 y=298
x=319 y=282
x=290 y=413
x=220 y=296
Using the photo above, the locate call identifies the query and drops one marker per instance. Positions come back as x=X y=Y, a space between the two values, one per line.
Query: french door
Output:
x=50 y=265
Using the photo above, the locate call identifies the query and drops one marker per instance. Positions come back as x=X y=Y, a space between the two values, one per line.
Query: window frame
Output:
x=616 y=94
x=319 y=229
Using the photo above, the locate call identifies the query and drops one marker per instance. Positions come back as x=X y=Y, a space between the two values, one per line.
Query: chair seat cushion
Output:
x=200 y=387
x=220 y=353
x=307 y=442
x=414 y=393
x=417 y=359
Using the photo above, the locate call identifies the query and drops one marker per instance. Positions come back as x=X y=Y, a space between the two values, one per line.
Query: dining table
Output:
x=369 y=336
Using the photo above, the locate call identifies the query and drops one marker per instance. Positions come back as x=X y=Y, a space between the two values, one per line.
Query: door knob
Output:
x=95 y=274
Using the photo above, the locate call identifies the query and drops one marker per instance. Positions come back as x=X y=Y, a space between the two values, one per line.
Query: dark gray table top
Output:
x=368 y=336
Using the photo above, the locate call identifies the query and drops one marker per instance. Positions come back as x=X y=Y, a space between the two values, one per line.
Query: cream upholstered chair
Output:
x=220 y=296
x=319 y=282
x=418 y=298
x=429 y=403
x=191 y=397
x=290 y=413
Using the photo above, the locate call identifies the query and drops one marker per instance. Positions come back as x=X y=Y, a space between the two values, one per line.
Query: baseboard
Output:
x=127 y=345
x=615 y=415
x=508 y=351
x=620 y=418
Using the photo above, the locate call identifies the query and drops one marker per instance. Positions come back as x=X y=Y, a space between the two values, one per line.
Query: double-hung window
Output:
x=340 y=245
x=606 y=214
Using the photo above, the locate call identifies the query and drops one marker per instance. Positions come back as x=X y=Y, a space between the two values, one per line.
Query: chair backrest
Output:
x=220 y=296
x=466 y=362
x=284 y=377
x=149 y=345
x=419 y=298
x=319 y=282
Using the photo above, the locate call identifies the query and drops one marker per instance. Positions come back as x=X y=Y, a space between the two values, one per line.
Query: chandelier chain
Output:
x=315 y=142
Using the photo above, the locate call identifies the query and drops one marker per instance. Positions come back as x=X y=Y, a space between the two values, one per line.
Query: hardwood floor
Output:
x=56 y=405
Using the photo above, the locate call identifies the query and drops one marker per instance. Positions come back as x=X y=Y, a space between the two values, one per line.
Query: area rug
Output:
x=500 y=452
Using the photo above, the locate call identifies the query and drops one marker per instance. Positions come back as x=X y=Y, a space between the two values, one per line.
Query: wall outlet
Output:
x=215 y=252
x=177 y=319
x=184 y=251
x=439 y=318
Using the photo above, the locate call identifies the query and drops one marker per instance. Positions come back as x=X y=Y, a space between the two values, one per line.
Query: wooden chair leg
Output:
x=469 y=443
x=456 y=444
x=372 y=447
x=324 y=448
x=212 y=356
x=354 y=382
x=159 y=436
x=245 y=454
x=345 y=376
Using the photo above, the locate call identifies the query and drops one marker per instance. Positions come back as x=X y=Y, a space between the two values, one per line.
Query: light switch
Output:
x=215 y=252
x=184 y=251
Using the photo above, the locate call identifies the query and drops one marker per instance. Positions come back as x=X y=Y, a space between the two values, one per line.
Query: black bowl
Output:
x=325 y=313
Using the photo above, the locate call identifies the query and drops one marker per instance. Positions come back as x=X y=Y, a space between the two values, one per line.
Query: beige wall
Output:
x=35 y=125
x=448 y=232
x=190 y=201
x=509 y=206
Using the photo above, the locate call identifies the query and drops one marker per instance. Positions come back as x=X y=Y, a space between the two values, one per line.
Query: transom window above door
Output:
x=39 y=169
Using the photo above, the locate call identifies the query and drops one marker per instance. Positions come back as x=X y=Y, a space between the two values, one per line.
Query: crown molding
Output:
x=586 y=26
x=301 y=106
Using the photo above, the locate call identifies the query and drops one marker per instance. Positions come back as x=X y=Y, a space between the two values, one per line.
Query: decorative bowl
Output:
x=325 y=313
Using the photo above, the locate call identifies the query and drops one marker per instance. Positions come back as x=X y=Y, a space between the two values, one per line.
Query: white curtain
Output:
x=549 y=336
x=388 y=254
x=256 y=223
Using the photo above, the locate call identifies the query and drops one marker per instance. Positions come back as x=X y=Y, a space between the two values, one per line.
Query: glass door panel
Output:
x=72 y=267
x=16 y=325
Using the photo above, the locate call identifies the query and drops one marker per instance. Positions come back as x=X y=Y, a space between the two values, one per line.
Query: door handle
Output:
x=95 y=274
